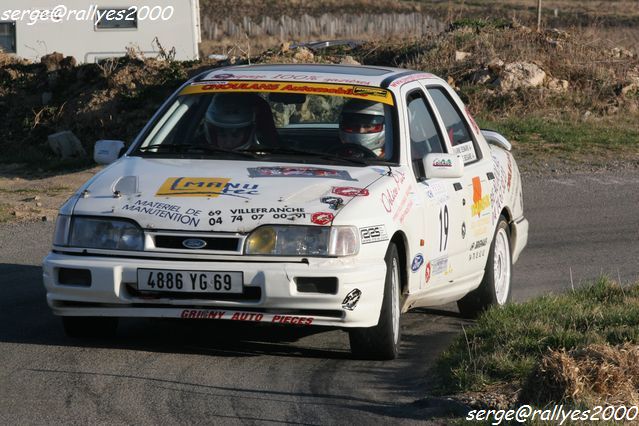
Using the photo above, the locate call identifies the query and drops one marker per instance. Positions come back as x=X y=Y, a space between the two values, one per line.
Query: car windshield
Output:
x=290 y=127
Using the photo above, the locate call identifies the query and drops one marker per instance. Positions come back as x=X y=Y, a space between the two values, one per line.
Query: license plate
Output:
x=190 y=281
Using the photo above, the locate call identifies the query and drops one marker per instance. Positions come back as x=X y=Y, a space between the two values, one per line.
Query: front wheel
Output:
x=494 y=289
x=383 y=340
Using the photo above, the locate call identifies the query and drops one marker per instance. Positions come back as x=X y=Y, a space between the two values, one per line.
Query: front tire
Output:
x=494 y=289
x=89 y=327
x=382 y=341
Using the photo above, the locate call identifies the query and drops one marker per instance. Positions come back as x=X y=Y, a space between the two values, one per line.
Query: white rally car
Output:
x=309 y=195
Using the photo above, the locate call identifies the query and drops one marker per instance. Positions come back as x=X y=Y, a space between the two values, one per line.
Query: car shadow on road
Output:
x=25 y=318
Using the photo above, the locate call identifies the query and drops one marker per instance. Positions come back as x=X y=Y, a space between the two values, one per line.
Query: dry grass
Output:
x=595 y=75
x=596 y=374
x=579 y=348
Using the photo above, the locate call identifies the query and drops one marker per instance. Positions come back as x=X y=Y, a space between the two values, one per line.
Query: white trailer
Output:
x=99 y=29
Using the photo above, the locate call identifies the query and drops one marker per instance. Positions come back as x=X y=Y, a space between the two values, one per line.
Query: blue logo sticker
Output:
x=418 y=261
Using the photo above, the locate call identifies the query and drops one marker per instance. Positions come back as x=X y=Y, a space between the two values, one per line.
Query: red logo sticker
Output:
x=349 y=191
x=428 y=272
x=322 y=218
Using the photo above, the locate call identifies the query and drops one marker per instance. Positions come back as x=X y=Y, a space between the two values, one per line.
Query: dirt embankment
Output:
x=499 y=71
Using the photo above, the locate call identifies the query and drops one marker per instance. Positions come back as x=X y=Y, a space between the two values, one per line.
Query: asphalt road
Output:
x=203 y=372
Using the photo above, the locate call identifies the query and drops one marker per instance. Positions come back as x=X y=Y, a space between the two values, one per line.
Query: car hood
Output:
x=218 y=195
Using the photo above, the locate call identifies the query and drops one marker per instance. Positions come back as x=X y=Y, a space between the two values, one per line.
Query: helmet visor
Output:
x=361 y=123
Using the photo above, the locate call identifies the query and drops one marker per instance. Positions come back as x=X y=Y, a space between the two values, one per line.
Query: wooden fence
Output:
x=326 y=26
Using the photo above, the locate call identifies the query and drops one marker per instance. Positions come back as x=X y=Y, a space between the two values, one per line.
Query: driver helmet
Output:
x=230 y=120
x=362 y=123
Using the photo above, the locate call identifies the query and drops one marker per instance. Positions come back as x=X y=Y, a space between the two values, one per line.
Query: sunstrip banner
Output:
x=374 y=94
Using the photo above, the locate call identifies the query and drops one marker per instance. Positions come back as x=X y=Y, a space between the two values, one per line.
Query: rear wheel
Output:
x=494 y=289
x=383 y=340
x=90 y=327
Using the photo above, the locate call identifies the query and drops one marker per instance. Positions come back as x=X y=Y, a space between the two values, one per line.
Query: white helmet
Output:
x=231 y=111
x=362 y=123
x=233 y=116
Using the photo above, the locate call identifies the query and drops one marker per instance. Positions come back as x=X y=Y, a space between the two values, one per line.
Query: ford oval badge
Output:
x=194 y=243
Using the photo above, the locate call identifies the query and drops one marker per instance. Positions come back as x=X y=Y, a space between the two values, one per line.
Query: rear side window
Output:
x=456 y=127
x=424 y=134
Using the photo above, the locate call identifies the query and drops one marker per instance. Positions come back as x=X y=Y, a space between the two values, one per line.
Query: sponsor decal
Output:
x=466 y=150
x=245 y=316
x=333 y=202
x=439 y=265
x=389 y=196
x=345 y=81
x=351 y=299
x=442 y=162
x=168 y=211
x=220 y=77
x=479 y=244
x=194 y=243
x=391 y=199
x=373 y=234
x=417 y=263
x=436 y=191
x=510 y=171
x=205 y=187
x=480 y=203
x=289 y=319
x=499 y=187
x=200 y=314
x=410 y=78
x=428 y=272
x=479 y=227
x=255 y=210
x=349 y=191
x=307 y=172
x=350 y=91
x=293 y=77
x=472 y=122
x=476 y=255
x=322 y=218
x=260 y=213
x=369 y=91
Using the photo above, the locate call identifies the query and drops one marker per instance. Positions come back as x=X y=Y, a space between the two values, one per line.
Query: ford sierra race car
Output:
x=305 y=195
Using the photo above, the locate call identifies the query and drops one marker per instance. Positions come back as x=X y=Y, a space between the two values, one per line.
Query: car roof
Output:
x=366 y=75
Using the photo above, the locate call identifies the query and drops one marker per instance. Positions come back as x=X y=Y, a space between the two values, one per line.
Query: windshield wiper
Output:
x=275 y=150
x=162 y=146
x=293 y=151
x=184 y=148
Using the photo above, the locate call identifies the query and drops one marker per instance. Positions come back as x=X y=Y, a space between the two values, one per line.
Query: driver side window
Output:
x=424 y=133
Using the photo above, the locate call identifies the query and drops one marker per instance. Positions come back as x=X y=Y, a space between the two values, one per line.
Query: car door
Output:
x=443 y=210
x=462 y=136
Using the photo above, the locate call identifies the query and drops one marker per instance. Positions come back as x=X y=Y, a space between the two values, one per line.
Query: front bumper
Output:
x=114 y=281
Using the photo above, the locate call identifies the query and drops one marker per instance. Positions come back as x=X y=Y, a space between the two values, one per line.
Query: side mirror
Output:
x=443 y=166
x=106 y=152
x=497 y=139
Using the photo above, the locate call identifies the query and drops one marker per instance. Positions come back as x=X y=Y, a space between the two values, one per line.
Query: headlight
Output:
x=61 y=234
x=303 y=241
x=88 y=232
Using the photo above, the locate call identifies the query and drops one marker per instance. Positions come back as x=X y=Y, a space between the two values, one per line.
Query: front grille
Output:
x=195 y=242
x=212 y=243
